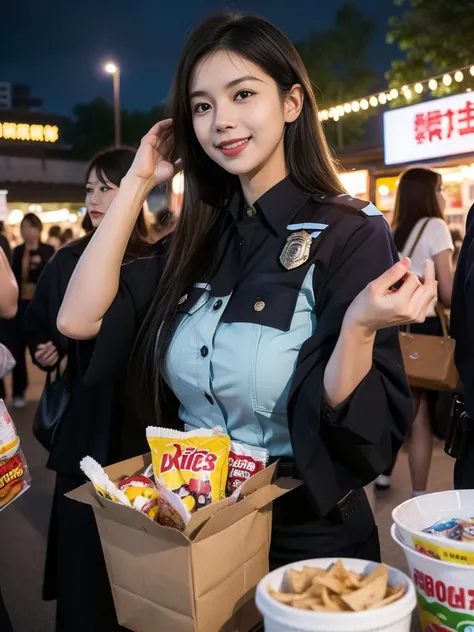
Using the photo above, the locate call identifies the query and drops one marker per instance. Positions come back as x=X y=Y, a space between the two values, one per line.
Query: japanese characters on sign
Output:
x=24 y=131
x=444 y=127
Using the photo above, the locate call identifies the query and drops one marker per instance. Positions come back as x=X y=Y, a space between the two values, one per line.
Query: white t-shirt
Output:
x=435 y=239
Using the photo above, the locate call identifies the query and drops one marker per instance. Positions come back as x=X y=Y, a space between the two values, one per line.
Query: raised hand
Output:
x=386 y=303
x=152 y=161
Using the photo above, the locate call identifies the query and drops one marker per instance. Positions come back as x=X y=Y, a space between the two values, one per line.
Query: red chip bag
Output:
x=244 y=462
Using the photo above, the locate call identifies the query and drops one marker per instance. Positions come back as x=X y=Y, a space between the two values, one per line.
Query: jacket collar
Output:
x=278 y=205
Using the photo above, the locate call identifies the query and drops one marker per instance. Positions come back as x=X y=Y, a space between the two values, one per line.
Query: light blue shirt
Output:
x=238 y=375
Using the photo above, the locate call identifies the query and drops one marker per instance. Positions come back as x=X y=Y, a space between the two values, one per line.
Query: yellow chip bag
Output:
x=194 y=465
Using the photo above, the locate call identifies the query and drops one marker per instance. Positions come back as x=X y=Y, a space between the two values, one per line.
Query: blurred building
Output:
x=37 y=172
x=437 y=134
x=17 y=96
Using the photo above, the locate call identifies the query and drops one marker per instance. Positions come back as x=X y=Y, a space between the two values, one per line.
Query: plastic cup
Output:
x=445 y=591
x=279 y=617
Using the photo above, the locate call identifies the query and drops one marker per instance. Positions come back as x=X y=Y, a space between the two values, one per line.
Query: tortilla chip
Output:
x=305 y=604
x=316 y=589
x=299 y=581
x=338 y=571
x=332 y=583
x=289 y=598
x=362 y=598
x=395 y=590
x=354 y=579
x=378 y=572
x=338 y=590
x=388 y=599
x=331 y=601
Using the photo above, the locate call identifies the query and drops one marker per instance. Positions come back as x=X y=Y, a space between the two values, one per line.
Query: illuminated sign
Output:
x=444 y=127
x=24 y=131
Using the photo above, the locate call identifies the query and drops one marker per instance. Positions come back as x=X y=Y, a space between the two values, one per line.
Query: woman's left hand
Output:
x=47 y=355
x=380 y=305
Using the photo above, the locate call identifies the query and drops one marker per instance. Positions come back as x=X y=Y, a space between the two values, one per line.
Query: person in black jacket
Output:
x=276 y=315
x=96 y=421
x=462 y=314
x=28 y=262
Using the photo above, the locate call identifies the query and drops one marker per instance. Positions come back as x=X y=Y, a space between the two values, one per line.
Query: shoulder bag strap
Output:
x=440 y=312
x=417 y=240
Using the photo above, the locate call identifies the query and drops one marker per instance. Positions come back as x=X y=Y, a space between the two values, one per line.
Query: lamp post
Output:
x=114 y=70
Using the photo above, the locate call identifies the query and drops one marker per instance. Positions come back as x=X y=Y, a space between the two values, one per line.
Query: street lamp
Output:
x=114 y=70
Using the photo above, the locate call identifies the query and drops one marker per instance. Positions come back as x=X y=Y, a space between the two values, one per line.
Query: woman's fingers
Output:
x=159 y=133
x=160 y=127
x=410 y=285
x=392 y=276
x=47 y=354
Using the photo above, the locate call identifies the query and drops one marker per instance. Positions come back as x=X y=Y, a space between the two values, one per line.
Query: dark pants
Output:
x=75 y=572
x=297 y=534
x=464 y=467
x=17 y=345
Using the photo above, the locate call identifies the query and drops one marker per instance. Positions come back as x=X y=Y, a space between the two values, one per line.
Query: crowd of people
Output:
x=270 y=307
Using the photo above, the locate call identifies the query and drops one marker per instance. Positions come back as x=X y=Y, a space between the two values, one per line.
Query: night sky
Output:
x=58 y=46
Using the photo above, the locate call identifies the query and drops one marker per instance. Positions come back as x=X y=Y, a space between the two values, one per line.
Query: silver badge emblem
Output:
x=296 y=250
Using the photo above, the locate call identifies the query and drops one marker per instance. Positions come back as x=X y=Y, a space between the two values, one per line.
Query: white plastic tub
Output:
x=279 y=617
x=414 y=515
x=445 y=591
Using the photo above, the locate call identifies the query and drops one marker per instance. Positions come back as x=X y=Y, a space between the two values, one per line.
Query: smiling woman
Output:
x=229 y=117
x=273 y=317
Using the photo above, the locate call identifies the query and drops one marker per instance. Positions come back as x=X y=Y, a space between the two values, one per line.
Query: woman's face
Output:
x=440 y=194
x=238 y=115
x=99 y=197
x=29 y=232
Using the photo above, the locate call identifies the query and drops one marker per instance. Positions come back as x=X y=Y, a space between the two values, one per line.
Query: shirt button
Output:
x=259 y=306
x=250 y=211
x=209 y=398
x=218 y=305
x=204 y=351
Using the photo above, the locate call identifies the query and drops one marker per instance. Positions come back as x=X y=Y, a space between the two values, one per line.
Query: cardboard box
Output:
x=202 y=580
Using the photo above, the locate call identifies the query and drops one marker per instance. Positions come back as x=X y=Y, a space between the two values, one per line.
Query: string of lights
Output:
x=335 y=112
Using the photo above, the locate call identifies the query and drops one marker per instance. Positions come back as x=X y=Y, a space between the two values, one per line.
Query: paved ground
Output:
x=23 y=526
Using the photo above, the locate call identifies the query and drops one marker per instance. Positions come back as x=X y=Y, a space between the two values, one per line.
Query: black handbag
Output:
x=52 y=405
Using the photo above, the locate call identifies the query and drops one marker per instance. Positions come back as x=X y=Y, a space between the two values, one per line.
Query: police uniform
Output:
x=462 y=330
x=248 y=349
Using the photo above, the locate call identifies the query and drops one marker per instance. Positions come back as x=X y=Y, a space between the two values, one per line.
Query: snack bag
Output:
x=244 y=462
x=138 y=492
x=194 y=465
x=155 y=501
x=451 y=529
x=14 y=474
x=468 y=530
x=9 y=440
x=102 y=483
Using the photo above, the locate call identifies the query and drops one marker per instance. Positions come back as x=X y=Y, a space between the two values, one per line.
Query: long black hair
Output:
x=207 y=186
x=111 y=165
x=416 y=199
